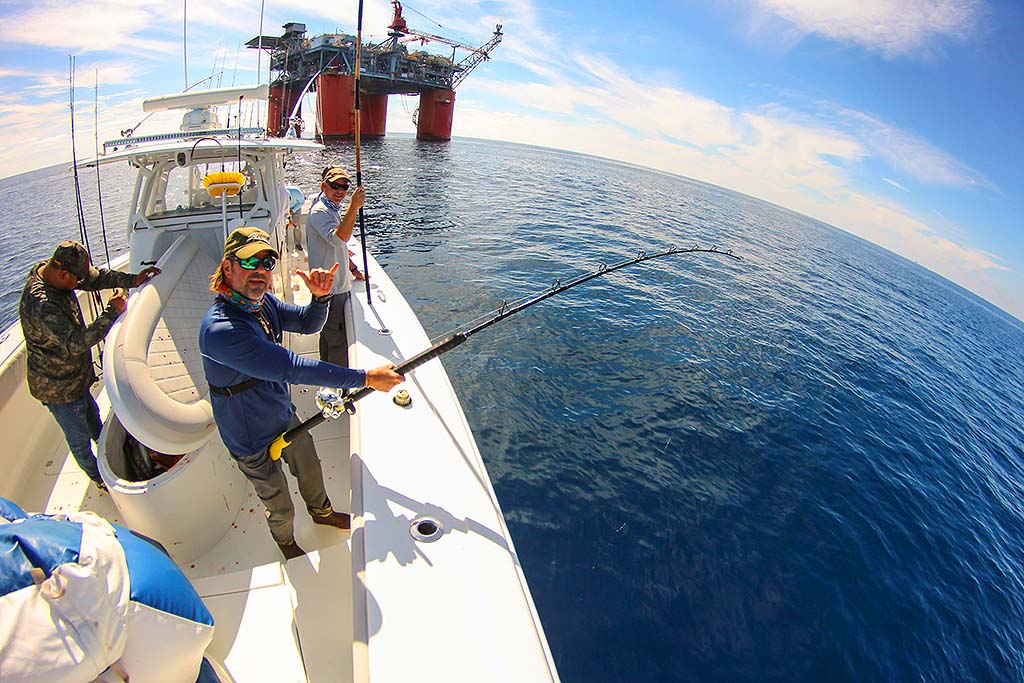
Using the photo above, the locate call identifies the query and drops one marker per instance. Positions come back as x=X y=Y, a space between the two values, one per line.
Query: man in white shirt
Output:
x=327 y=236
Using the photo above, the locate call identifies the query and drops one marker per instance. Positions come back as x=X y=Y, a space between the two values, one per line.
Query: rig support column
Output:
x=336 y=103
x=279 y=107
x=373 y=114
x=435 y=118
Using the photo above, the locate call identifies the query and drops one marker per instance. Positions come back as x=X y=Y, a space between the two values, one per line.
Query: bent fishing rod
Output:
x=333 y=406
x=359 y=166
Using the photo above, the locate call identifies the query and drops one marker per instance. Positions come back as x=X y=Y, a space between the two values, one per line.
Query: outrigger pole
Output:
x=446 y=345
x=359 y=168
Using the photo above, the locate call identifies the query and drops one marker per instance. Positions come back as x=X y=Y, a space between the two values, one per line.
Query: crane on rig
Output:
x=400 y=33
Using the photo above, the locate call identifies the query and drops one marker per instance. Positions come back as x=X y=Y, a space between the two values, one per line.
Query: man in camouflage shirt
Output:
x=59 y=343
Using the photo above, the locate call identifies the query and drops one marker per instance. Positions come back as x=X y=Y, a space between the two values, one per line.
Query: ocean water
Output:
x=801 y=466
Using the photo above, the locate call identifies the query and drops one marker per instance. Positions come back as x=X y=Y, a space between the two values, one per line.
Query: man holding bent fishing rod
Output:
x=249 y=372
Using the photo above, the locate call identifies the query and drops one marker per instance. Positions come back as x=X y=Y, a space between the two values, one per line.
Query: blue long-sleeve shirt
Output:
x=236 y=348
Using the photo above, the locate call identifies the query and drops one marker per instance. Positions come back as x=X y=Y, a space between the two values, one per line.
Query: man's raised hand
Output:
x=319 y=281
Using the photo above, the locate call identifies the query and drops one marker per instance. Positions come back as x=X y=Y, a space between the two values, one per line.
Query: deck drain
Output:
x=426 y=529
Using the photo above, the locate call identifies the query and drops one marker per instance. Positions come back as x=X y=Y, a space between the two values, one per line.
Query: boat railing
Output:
x=229 y=133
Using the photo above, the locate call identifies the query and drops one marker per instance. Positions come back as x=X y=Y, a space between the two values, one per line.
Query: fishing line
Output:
x=213 y=70
x=184 y=38
x=240 y=98
x=128 y=132
x=74 y=157
x=408 y=6
x=96 y=144
x=95 y=302
x=282 y=122
x=305 y=91
x=319 y=132
x=234 y=72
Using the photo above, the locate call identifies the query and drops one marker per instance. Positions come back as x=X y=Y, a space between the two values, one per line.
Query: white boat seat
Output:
x=151 y=363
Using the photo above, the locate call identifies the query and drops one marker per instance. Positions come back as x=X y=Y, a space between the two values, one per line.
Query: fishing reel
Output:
x=332 y=403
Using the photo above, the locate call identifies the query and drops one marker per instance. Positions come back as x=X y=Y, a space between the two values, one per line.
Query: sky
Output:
x=898 y=121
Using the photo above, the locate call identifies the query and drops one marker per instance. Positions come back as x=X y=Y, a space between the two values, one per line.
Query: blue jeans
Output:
x=80 y=422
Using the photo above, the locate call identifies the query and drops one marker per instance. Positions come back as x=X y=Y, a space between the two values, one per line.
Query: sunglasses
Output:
x=337 y=186
x=254 y=262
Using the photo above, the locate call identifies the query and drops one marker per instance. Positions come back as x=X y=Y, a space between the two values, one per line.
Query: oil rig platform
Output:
x=325 y=65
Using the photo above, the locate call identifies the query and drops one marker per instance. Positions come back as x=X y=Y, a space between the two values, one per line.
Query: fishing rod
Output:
x=95 y=302
x=332 y=405
x=359 y=171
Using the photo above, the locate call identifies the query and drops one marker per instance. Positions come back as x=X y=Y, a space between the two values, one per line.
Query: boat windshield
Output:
x=178 y=189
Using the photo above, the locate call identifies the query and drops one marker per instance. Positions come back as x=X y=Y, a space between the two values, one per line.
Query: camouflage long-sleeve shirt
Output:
x=58 y=341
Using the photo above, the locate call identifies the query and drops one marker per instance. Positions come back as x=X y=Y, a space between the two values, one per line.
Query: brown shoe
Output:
x=340 y=520
x=291 y=550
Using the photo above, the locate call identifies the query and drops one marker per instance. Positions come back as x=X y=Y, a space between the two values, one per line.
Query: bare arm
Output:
x=348 y=221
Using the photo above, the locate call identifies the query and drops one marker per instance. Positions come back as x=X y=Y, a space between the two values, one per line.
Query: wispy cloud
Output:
x=903 y=150
x=6 y=72
x=809 y=160
x=536 y=91
x=326 y=17
x=890 y=27
x=914 y=155
x=87 y=25
x=46 y=84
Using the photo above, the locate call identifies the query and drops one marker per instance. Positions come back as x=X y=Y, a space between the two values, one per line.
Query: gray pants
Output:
x=333 y=338
x=271 y=486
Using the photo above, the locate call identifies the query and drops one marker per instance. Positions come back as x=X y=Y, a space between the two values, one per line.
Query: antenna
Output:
x=96 y=152
x=259 y=53
x=184 y=38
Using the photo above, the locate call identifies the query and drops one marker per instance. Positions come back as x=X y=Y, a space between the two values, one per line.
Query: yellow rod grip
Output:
x=277 y=446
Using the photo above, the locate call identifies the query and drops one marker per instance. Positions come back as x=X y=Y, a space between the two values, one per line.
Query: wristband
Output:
x=322 y=299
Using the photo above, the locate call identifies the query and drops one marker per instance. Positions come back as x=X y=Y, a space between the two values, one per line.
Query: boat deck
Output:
x=244 y=580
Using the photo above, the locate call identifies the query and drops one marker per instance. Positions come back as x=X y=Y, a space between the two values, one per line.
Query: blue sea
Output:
x=807 y=465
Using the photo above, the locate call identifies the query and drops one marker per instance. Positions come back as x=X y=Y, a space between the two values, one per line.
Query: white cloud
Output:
x=327 y=17
x=902 y=150
x=796 y=155
x=805 y=161
x=891 y=27
x=46 y=84
x=917 y=157
x=32 y=132
x=808 y=160
x=792 y=159
x=87 y=25
x=894 y=184
x=6 y=72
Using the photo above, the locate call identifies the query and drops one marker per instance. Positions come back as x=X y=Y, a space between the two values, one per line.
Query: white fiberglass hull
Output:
x=454 y=607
